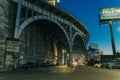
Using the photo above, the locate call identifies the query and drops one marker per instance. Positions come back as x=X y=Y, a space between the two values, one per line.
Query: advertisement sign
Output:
x=93 y=46
x=110 y=13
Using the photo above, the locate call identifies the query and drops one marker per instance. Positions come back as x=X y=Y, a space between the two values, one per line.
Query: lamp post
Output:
x=67 y=60
x=63 y=56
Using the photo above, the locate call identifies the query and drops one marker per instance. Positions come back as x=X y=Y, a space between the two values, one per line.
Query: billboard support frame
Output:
x=108 y=17
x=112 y=39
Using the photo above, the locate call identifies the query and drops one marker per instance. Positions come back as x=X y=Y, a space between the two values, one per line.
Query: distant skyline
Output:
x=87 y=12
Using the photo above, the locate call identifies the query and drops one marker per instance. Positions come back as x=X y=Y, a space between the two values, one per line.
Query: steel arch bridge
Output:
x=62 y=29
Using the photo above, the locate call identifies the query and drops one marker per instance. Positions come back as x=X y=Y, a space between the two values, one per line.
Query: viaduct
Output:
x=34 y=29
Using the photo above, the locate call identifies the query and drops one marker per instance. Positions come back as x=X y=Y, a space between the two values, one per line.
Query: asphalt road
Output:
x=79 y=73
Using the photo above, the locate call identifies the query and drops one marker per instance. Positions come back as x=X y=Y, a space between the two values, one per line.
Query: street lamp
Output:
x=63 y=56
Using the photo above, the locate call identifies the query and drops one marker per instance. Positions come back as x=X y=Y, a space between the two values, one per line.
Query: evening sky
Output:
x=87 y=12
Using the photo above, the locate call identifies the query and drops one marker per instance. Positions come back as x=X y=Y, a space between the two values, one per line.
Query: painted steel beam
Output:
x=35 y=8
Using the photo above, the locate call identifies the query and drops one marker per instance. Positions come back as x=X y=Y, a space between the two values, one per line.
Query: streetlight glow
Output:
x=63 y=50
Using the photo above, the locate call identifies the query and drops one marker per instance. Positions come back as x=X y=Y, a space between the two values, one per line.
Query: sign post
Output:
x=112 y=39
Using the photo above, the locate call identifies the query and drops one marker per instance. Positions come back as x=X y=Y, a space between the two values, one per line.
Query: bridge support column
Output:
x=17 y=20
x=70 y=47
x=70 y=55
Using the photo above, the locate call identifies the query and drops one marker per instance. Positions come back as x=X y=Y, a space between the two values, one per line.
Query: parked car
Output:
x=105 y=64
x=27 y=64
x=102 y=64
x=30 y=65
x=115 y=65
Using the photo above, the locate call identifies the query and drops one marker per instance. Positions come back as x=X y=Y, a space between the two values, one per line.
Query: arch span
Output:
x=34 y=18
x=78 y=34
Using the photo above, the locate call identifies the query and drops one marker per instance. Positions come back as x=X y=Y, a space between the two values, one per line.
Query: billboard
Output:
x=93 y=46
x=110 y=13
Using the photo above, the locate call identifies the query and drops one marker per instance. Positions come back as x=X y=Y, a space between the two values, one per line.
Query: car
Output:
x=27 y=64
x=30 y=65
x=115 y=65
x=105 y=64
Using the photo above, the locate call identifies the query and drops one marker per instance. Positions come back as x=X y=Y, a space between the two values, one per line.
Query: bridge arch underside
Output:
x=42 y=39
x=78 y=46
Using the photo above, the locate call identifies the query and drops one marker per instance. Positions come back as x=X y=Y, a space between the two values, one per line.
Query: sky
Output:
x=87 y=12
